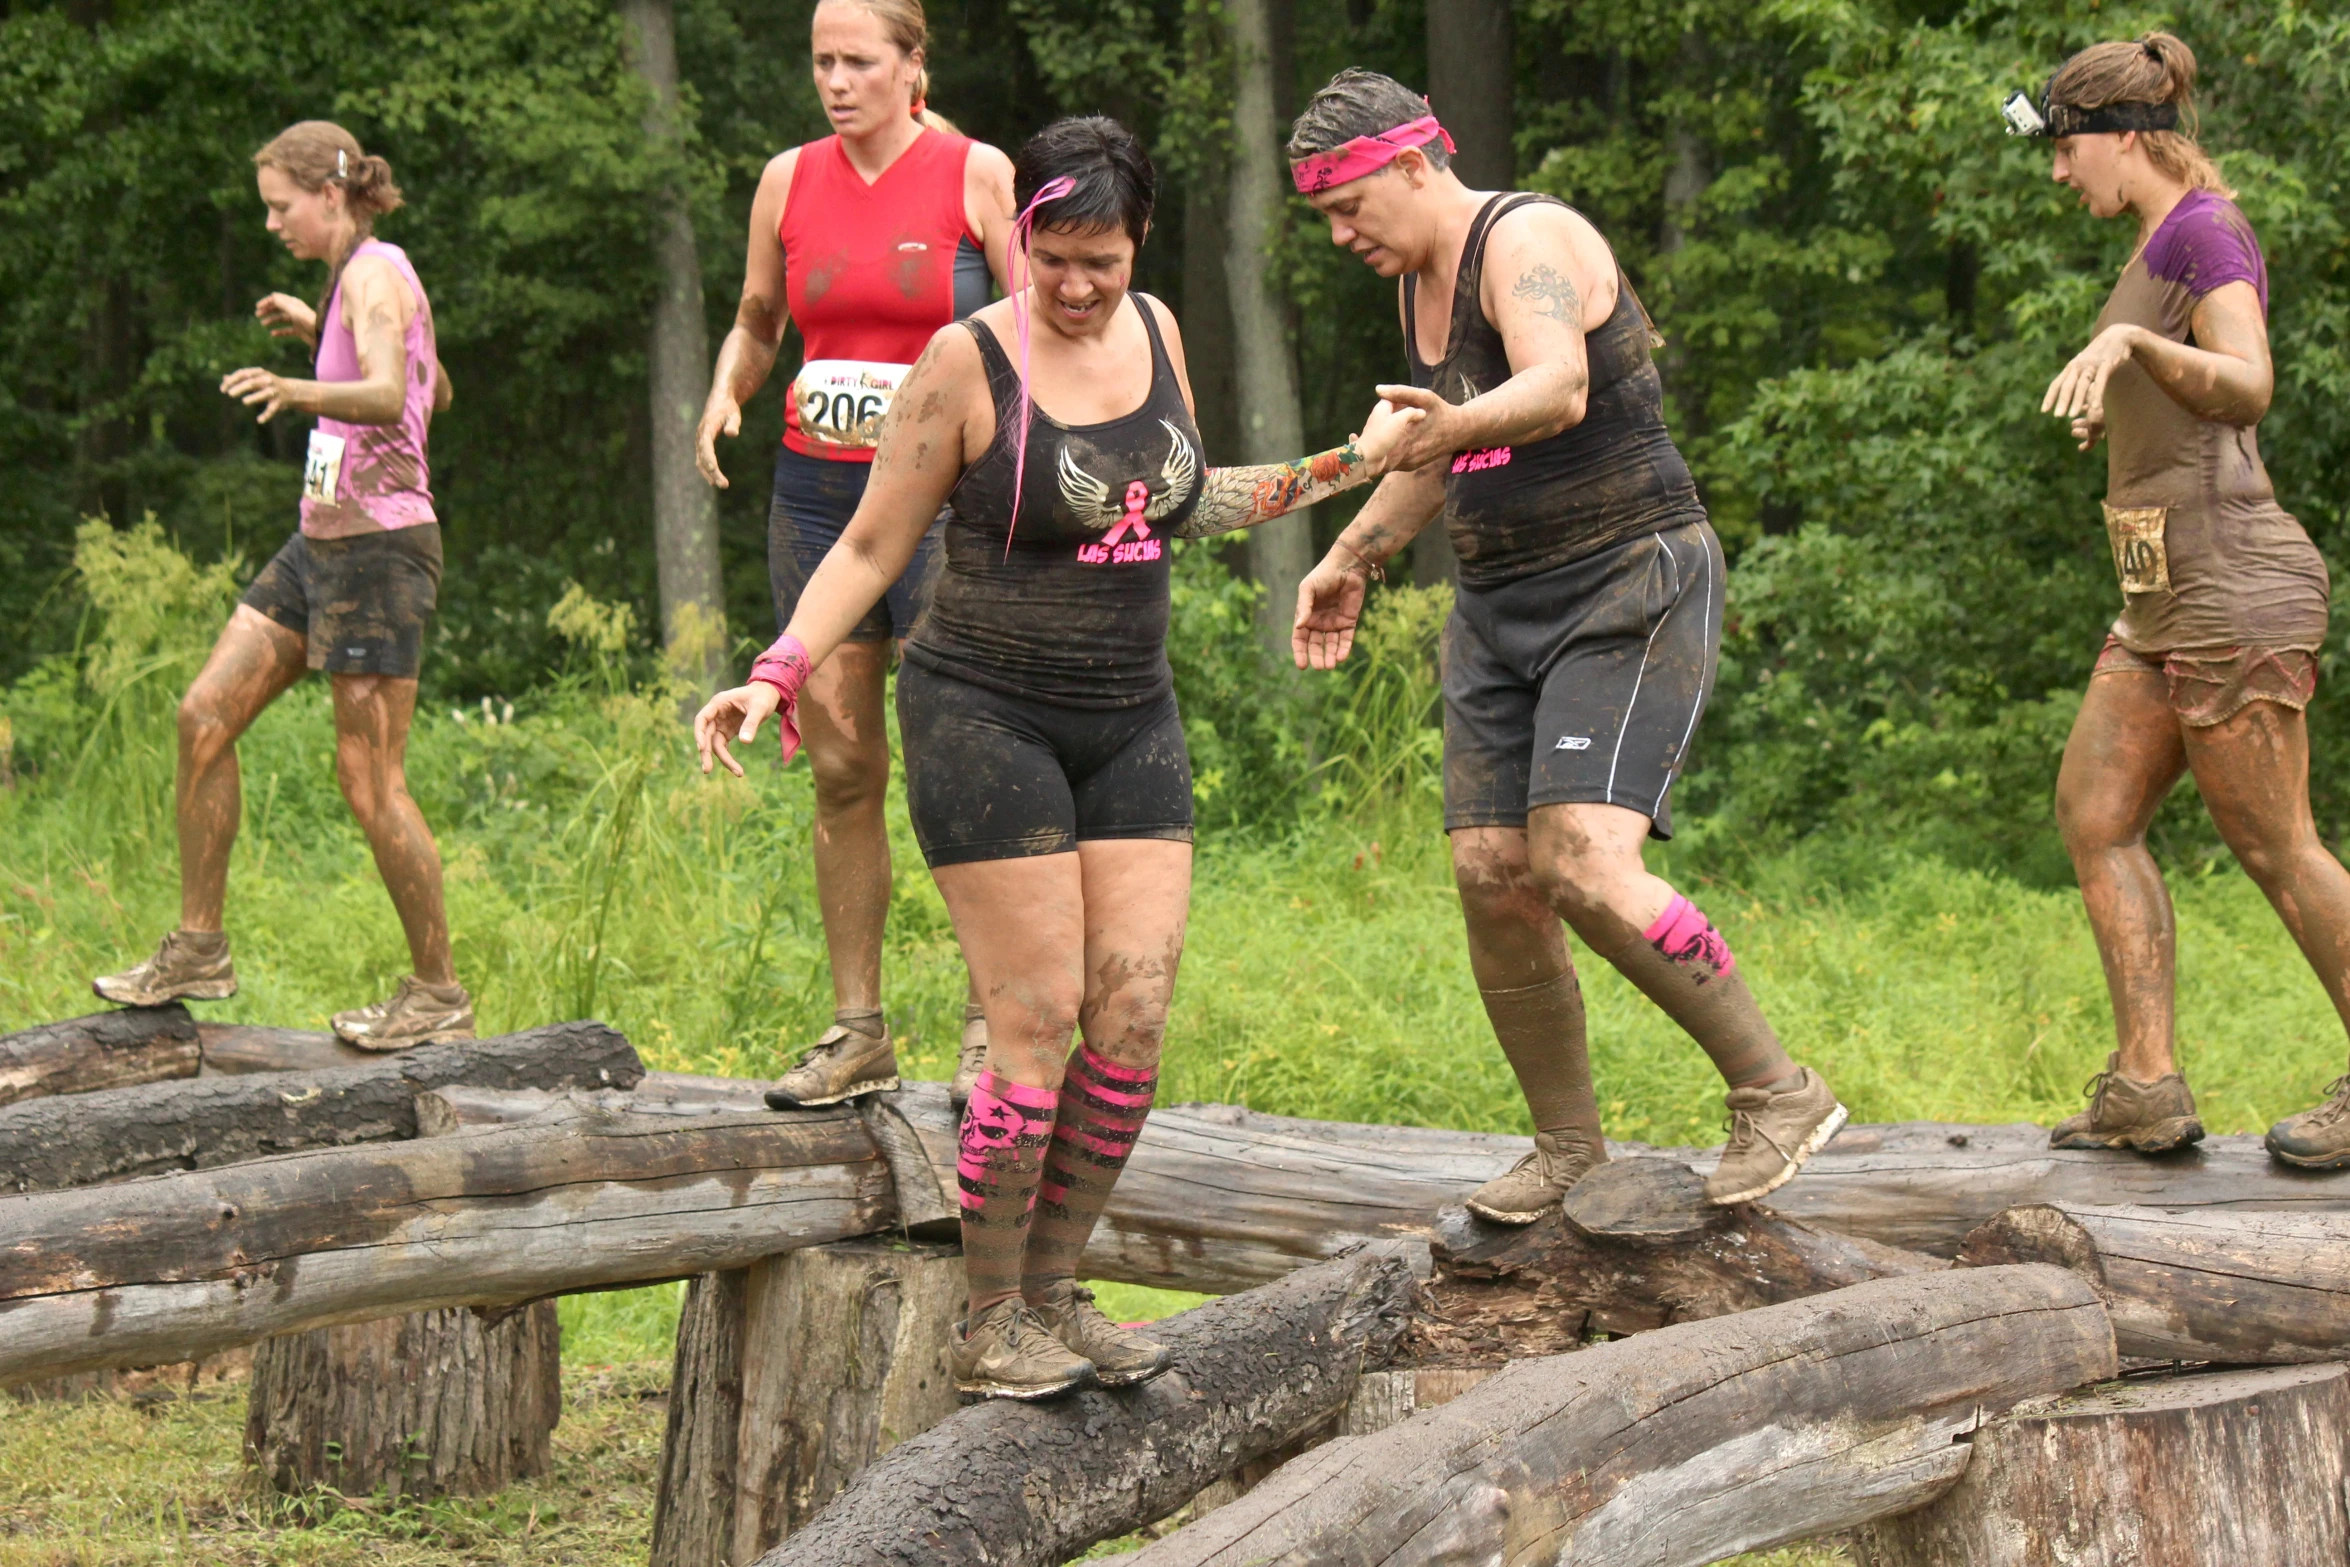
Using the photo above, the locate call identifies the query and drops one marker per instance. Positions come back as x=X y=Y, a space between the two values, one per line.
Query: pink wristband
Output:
x=785 y=666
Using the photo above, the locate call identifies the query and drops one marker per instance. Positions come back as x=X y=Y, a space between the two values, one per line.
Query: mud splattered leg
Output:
x=252 y=664
x=372 y=714
x=2120 y=762
x=2253 y=771
x=848 y=754
x=1586 y=859
x=1518 y=951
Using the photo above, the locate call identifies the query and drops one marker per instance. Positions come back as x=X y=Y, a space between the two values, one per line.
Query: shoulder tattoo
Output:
x=1550 y=294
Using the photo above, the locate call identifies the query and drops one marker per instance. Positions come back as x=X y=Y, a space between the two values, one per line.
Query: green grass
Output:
x=592 y=871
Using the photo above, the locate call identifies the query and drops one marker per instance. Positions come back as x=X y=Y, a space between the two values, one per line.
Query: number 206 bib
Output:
x=841 y=402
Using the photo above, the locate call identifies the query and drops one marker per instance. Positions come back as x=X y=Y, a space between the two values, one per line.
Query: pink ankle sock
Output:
x=1685 y=936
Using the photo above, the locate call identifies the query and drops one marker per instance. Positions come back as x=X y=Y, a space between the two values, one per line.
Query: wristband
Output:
x=785 y=666
x=1372 y=568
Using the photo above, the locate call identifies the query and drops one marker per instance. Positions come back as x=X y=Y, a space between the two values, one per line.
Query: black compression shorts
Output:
x=814 y=499
x=1582 y=684
x=360 y=603
x=992 y=776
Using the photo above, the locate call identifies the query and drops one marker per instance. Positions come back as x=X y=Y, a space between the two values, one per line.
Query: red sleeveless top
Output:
x=869 y=276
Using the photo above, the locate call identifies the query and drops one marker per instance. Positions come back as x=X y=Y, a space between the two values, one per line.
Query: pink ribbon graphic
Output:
x=1137 y=494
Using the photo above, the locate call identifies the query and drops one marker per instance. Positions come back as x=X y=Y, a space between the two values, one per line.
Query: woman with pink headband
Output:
x=1045 y=765
x=1582 y=641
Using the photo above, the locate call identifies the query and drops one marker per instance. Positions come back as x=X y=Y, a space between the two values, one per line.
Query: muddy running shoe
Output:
x=842 y=1064
x=416 y=1014
x=972 y=1060
x=1771 y=1135
x=1535 y=1184
x=2151 y=1117
x=190 y=965
x=2316 y=1139
x=1007 y=1352
x=1119 y=1358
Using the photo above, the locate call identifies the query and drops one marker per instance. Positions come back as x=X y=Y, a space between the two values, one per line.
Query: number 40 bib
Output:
x=842 y=402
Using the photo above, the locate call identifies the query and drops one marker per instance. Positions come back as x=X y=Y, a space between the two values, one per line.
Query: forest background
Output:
x=1864 y=286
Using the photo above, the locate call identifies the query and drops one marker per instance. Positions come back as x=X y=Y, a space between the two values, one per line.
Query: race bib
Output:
x=322 y=471
x=842 y=401
x=2139 y=557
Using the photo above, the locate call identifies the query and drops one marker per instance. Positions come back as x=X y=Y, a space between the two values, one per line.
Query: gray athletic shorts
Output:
x=1583 y=683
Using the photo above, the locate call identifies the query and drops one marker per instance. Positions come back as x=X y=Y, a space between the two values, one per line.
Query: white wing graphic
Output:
x=1087 y=498
x=1180 y=474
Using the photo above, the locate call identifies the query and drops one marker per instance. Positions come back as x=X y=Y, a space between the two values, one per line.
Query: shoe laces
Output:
x=2094 y=1091
x=1743 y=1128
x=2337 y=1104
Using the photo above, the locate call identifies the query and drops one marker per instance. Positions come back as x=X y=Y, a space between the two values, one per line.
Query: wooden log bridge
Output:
x=199 y=1122
x=172 y=1267
x=1007 y=1484
x=104 y=1050
x=1682 y=1446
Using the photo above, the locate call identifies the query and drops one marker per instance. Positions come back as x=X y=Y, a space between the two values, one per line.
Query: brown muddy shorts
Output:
x=2210 y=685
x=360 y=603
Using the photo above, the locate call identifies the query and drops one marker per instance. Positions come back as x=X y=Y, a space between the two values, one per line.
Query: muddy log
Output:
x=1032 y=1485
x=1638 y=1246
x=2220 y=1470
x=237 y=1048
x=176 y=1266
x=2243 y=1288
x=1685 y=1445
x=198 y=1123
x=104 y=1050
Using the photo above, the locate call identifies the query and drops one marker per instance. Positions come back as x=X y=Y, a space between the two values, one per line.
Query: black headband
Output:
x=2027 y=118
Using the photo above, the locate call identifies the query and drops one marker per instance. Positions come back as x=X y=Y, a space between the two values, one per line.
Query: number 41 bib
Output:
x=842 y=402
x=322 y=470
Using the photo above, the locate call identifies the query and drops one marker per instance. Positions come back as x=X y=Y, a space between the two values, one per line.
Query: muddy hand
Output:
x=1384 y=431
x=2077 y=395
x=1329 y=604
x=1427 y=438
x=723 y=416
x=286 y=316
x=737 y=713
x=253 y=385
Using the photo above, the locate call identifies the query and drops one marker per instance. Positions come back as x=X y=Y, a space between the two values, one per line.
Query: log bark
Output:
x=1032 y=1485
x=198 y=1123
x=104 y=1050
x=234 y=1049
x=452 y=1402
x=2245 y=1288
x=1636 y=1247
x=1684 y=1445
x=177 y=1266
x=2220 y=1470
x=693 y=1510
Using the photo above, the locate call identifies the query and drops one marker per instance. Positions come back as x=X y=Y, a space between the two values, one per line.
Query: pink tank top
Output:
x=371 y=478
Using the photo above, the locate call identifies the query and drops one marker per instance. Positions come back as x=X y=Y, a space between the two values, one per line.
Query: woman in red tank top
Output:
x=871 y=240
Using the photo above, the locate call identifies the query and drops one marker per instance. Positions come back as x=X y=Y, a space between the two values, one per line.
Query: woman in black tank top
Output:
x=1045 y=763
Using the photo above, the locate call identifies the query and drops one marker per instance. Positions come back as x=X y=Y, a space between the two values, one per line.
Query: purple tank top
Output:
x=370 y=478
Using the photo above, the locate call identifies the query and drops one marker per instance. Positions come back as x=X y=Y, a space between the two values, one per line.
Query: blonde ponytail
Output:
x=317 y=153
x=2155 y=67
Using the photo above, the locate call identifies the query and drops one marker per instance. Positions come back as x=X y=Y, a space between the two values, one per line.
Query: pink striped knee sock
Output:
x=1006 y=1128
x=1101 y=1113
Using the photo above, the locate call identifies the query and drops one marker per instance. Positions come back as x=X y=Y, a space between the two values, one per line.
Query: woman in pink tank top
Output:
x=350 y=593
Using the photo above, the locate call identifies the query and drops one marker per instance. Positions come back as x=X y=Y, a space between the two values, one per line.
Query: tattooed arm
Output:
x=1549 y=278
x=376 y=302
x=1233 y=498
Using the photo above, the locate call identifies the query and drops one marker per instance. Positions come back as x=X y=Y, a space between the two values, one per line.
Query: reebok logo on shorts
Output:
x=1574 y=743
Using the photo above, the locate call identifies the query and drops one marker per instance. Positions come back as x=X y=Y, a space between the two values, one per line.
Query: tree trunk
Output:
x=180 y=1266
x=2224 y=1470
x=2247 y=1288
x=201 y=1122
x=1033 y=1485
x=1680 y=1447
x=437 y=1403
x=693 y=1511
x=685 y=510
x=1272 y=425
x=1472 y=86
x=104 y=1050
x=233 y=1049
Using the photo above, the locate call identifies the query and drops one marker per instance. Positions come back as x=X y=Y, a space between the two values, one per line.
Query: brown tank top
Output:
x=1512 y=511
x=2206 y=556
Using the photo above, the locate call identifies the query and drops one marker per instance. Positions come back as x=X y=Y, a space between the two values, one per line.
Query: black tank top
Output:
x=1514 y=511
x=1075 y=611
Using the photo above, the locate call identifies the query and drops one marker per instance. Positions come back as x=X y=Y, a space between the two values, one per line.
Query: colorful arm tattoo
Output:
x=1243 y=497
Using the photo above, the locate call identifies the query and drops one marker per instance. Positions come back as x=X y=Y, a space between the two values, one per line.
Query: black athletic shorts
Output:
x=814 y=499
x=991 y=776
x=361 y=603
x=1583 y=683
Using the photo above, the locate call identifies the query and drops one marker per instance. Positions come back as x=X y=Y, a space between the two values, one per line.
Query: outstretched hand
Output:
x=286 y=316
x=2077 y=395
x=1329 y=606
x=737 y=714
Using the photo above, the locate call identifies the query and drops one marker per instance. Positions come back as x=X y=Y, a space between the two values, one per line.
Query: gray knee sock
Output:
x=1541 y=1030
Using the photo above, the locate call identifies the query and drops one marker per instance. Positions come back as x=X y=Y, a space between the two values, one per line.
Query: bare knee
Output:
x=369 y=780
x=206 y=726
x=849 y=778
x=1572 y=881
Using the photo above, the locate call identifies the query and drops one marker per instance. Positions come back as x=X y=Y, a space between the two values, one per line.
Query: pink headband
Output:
x=1364 y=155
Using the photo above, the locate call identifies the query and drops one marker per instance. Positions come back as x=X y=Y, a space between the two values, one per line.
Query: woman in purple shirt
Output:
x=350 y=593
x=2214 y=655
